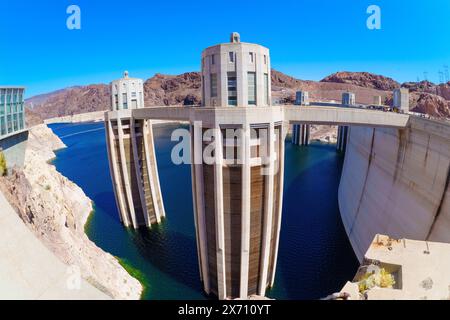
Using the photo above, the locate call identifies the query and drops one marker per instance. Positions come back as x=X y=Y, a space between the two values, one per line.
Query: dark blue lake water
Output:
x=315 y=256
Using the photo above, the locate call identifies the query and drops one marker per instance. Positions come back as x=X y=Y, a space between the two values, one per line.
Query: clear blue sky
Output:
x=309 y=39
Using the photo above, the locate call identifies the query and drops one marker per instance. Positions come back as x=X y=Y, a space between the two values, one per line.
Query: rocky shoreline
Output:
x=56 y=210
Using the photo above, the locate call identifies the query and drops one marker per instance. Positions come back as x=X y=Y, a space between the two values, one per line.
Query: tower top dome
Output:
x=235 y=37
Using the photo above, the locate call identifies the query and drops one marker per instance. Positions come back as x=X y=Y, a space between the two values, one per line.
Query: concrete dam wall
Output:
x=396 y=182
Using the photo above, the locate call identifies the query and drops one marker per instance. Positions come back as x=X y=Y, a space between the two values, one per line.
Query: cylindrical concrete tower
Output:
x=238 y=196
x=127 y=93
x=131 y=154
x=236 y=74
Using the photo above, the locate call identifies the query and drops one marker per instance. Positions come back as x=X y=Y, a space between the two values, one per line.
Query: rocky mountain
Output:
x=32 y=118
x=431 y=104
x=442 y=90
x=185 y=89
x=363 y=79
x=166 y=90
x=71 y=101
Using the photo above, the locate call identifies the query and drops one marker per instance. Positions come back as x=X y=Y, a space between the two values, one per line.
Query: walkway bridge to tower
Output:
x=313 y=114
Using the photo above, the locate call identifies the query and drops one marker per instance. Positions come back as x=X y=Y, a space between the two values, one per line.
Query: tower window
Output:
x=251 y=57
x=213 y=59
x=232 y=88
x=266 y=88
x=231 y=56
x=213 y=85
x=251 y=78
x=265 y=59
x=125 y=100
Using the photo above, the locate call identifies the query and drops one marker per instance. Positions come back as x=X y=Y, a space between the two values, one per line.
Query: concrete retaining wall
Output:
x=396 y=182
x=13 y=147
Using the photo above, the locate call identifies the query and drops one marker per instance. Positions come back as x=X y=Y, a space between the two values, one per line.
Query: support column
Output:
x=199 y=205
x=153 y=181
x=295 y=134
x=126 y=180
x=245 y=213
x=137 y=168
x=342 y=137
x=268 y=214
x=220 y=232
x=115 y=173
x=305 y=128
x=156 y=184
x=280 y=207
x=300 y=134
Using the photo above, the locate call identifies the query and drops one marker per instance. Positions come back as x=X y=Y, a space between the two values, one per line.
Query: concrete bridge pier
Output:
x=237 y=205
x=301 y=134
x=134 y=171
x=342 y=138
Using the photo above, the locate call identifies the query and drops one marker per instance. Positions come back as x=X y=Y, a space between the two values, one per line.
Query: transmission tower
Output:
x=441 y=76
x=446 y=75
x=425 y=75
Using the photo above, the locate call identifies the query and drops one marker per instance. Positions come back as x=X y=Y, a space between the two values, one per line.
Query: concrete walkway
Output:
x=28 y=270
x=422 y=269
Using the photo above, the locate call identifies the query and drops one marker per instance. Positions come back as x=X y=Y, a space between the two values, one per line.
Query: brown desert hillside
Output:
x=185 y=89
x=363 y=79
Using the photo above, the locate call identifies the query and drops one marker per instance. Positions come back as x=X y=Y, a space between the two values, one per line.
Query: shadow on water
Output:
x=315 y=257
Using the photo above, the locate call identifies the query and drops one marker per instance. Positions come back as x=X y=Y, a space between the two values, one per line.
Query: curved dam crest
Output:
x=396 y=182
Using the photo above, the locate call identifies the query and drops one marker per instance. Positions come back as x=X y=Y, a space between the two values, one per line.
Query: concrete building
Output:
x=301 y=132
x=13 y=133
x=401 y=100
x=132 y=156
x=12 y=110
x=238 y=197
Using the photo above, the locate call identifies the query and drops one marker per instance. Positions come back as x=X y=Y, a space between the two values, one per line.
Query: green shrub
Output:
x=3 y=169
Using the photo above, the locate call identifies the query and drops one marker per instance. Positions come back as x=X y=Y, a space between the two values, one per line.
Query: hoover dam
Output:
x=395 y=176
x=396 y=182
x=395 y=179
